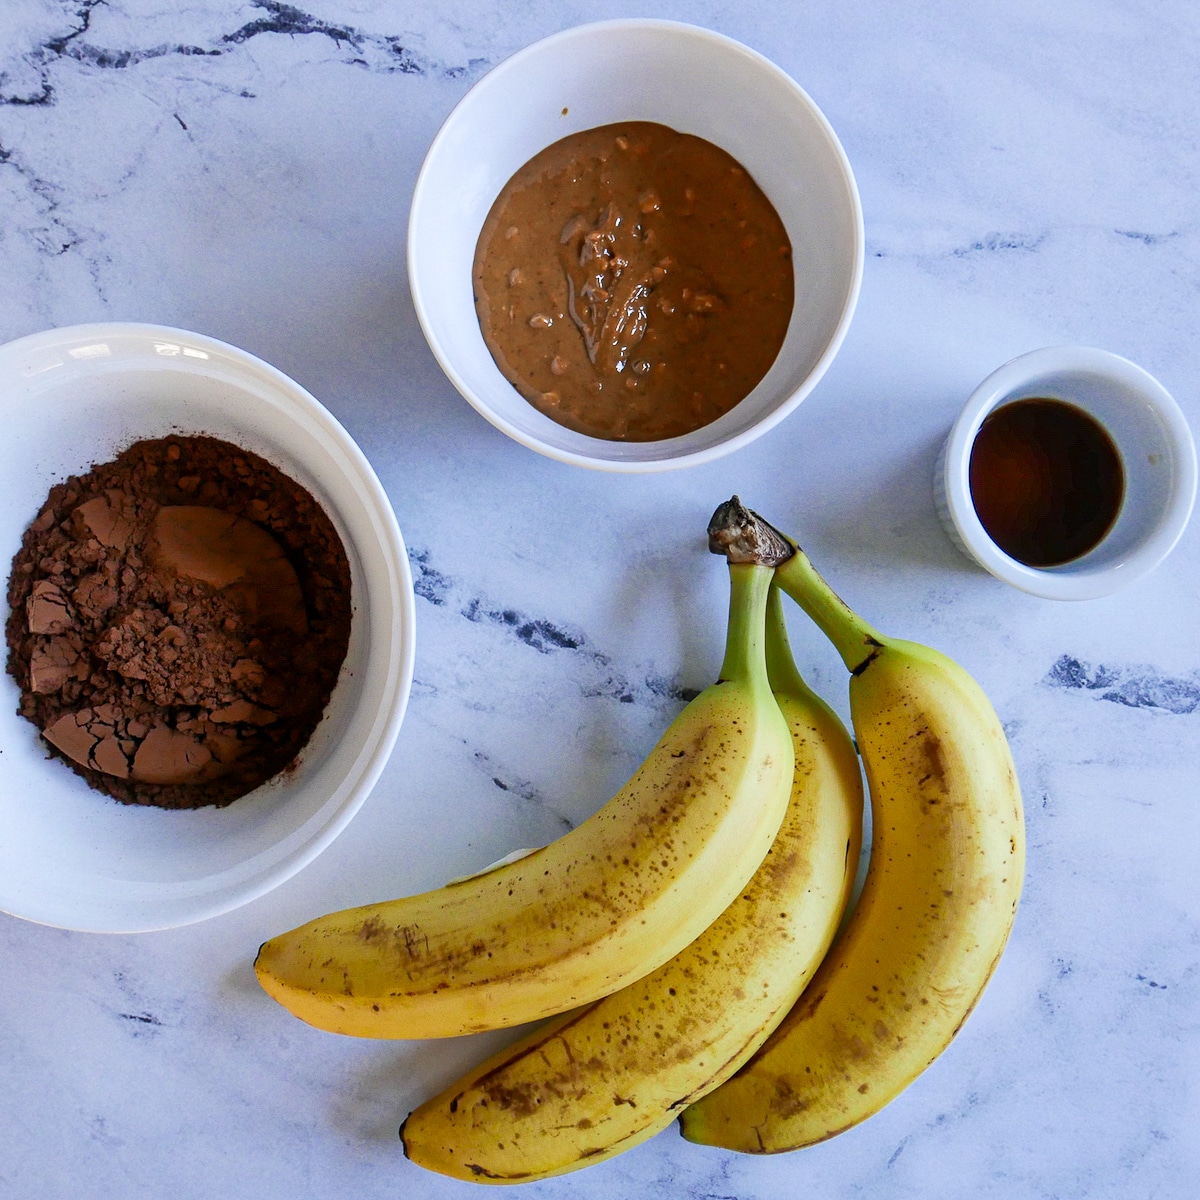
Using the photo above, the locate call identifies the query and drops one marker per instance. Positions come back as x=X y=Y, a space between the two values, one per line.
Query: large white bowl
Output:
x=697 y=82
x=72 y=857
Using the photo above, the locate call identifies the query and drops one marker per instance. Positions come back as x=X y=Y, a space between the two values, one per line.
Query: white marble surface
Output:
x=1029 y=175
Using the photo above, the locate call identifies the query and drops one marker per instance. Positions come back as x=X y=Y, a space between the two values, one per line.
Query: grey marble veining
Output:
x=1029 y=176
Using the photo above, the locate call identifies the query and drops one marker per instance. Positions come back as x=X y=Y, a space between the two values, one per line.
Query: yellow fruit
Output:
x=604 y=905
x=606 y=1076
x=945 y=874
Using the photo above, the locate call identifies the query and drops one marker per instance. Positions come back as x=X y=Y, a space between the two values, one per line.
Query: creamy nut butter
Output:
x=633 y=283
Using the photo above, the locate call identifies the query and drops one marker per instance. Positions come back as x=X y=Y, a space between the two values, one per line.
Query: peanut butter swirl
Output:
x=633 y=283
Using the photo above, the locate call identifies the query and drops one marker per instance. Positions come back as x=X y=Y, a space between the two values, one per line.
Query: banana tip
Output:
x=743 y=536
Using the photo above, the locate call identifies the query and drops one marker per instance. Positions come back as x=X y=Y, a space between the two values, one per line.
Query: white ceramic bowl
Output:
x=1157 y=454
x=694 y=81
x=72 y=857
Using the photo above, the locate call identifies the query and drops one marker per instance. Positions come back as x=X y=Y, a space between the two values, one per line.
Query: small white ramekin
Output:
x=74 y=858
x=697 y=82
x=1157 y=454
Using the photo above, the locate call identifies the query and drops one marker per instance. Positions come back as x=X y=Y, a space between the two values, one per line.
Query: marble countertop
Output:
x=1029 y=176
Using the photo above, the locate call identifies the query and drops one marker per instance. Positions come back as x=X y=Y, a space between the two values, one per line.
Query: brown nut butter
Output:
x=633 y=283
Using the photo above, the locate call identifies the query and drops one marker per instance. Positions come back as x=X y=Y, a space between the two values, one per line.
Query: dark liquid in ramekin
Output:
x=1046 y=480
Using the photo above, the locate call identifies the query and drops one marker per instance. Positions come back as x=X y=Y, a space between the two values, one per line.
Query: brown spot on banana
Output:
x=810 y=1006
x=935 y=757
x=786 y=1102
x=874 y=654
x=483 y=1173
x=371 y=930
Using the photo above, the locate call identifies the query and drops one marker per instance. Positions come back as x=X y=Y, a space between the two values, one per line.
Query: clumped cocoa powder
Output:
x=178 y=620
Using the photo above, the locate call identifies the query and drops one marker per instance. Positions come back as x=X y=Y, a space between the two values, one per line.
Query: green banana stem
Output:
x=745 y=650
x=855 y=640
x=743 y=536
x=781 y=665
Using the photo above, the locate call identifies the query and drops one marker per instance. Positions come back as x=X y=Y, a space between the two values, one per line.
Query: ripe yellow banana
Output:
x=945 y=873
x=606 y=1076
x=604 y=905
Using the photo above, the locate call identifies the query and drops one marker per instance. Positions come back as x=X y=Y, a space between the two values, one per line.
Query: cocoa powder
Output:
x=178 y=620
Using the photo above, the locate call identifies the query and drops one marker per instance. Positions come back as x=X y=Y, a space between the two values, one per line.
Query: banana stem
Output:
x=782 y=672
x=855 y=640
x=745 y=650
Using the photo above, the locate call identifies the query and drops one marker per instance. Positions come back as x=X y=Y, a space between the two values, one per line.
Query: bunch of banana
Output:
x=587 y=1085
x=945 y=873
x=576 y=920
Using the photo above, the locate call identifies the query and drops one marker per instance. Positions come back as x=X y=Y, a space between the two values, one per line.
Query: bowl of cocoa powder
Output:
x=209 y=627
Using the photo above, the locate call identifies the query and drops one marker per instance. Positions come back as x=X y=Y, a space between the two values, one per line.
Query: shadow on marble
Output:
x=894 y=526
x=241 y=980
x=371 y=1106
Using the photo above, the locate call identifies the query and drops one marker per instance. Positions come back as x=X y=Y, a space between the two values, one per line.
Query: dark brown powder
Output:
x=178 y=620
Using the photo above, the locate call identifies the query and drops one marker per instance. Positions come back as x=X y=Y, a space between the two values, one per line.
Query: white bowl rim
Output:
x=1050 y=583
x=370 y=765
x=766 y=422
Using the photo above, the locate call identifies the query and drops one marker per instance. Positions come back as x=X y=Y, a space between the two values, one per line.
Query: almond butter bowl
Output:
x=638 y=70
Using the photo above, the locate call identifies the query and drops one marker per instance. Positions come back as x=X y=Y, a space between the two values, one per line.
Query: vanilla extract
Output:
x=1046 y=480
